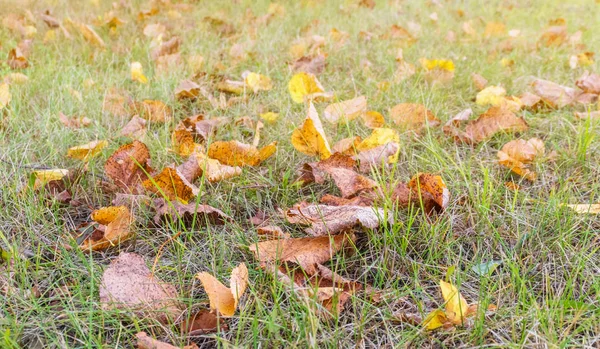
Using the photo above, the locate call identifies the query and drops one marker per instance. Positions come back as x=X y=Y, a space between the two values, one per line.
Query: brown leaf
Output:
x=152 y=110
x=306 y=252
x=135 y=128
x=591 y=115
x=347 y=146
x=146 y=342
x=199 y=127
x=494 y=120
x=372 y=119
x=236 y=153
x=222 y=298
x=365 y=200
x=589 y=83
x=17 y=59
x=325 y=219
x=116 y=102
x=129 y=166
x=479 y=81
x=74 y=122
x=555 y=95
x=349 y=182
x=203 y=322
x=316 y=171
x=187 y=89
x=272 y=232
x=376 y=157
x=114 y=226
x=516 y=154
x=413 y=117
x=432 y=185
x=312 y=65
x=199 y=164
x=169 y=47
x=171 y=185
x=531 y=101
x=188 y=213
x=128 y=284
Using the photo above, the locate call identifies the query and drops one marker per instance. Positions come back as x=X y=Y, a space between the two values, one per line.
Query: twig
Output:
x=160 y=250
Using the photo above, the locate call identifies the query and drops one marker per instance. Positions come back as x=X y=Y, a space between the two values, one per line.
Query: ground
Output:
x=546 y=290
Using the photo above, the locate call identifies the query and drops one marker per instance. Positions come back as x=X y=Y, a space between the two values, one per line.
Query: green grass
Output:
x=546 y=289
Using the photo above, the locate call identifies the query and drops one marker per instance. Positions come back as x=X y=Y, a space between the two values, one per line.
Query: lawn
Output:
x=544 y=291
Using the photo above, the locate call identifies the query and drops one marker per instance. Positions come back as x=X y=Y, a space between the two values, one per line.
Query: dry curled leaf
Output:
x=589 y=83
x=430 y=187
x=310 y=138
x=87 y=151
x=188 y=213
x=135 y=128
x=306 y=252
x=317 y=171
x=379 y=156
x=199 y=164
x=203 y=322
x=311 y=65
x=517 y=154
x=171 y=185
x=235 y=153
x=113 y=227
x=456 y=310
x=584 y=208
x=128 y=284
x=167 y=48
x=413 y=117
x=325 y=219
x=347 y=146
x=346 y=110
x=187 y=89
x=222 y=298
x=553 y=94
x=129 y=166
x=494 y=120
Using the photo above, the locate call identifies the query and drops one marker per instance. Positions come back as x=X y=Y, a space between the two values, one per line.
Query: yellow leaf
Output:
x=44 y=176
x=305 y=86
x=222 y=298
x=435 y=319
x=585 y=208
x=86 y=151
x=373 y=119
x=310 y=137
x=491 y=95
x=270 y=117
x=5 y=95
x=442 y=64
x=380 y=136
x=258 y=82
x=236 y=153
x=456 y=305
x=214 y=170
x=90 y=35
x=115 y=223
x=172 y=185
x=137 y=73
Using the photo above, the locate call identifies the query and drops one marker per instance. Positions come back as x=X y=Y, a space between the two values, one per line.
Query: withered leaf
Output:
x=114 y=227
x=376 y=157
x=152 y=110
x=494 y=120
x=236 y=153
x=312 y=65
x=171 y=185
x=199 y=164
x=188 y=213
x=589 y=83
x=428 y=185
x=128 y=166
x=517 y=154
x=306 y=252
x=325 y=219
x=128 y=284
x=413 y=116
x=346 y=110
x=135 y=128
x=86 y=151
x=310 y=138
x=203 y=322
x=555 y=95
x=146 y=342
x=222 y=298
x=187 y=89
x=166 y=48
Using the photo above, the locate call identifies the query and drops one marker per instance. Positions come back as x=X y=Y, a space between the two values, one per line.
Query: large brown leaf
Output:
x=306 y=252
x=494 y=120
x=555 y=95
x=325 y=219
x=128 y=284
x=129 y=166
x=589 y=83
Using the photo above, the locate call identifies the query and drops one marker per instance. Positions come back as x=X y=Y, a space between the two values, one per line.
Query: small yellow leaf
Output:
x=456 y=305
x=435 y=319
x=137 y=73
x=44 y=176
x=258 y=82
x=304 y=86
x=373 y=119
x=491 y=95
x=442 y=64
x=380 y=136
x=235 y=153
x=310 y=137
x=87 y=151
x=115 y=223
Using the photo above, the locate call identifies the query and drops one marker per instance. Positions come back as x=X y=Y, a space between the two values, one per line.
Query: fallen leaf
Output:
x=5 y=95
x=311 y=65
x=479 y=81
x=16 y=59
x=203 y=322
x=517 y=154
x=589 y=83
x=236 y=153
x=137 y=73
x=135 y=128
x=90 y=35
x=74 y=122
x=377 y=157
x=346 y=110
x=555 y=35
x=16 y=78
x=325 y=219
x=413 y=117
x=378 y=136
x=270 y=117
x=171 y=185
x=317 y=171
x=199 y=164
x=435 y=320
x=438 y=70
x=115 y=102
x=200 y=128
x=305 y=87
x=188 y=213
x=129 y=166
x=456 y=305
x=494 y=120
x=167 y=48
x=491 y=95
x=128 y=284
x=223 y=299
x=272 y=232
x=114 y=227
x=42 y=177
x=146 y=342
x=584 y=208
x=183 y=142
x=187 y=89
x=531 y=101
x=306 y=252
x=555 y=95
x=347 y=146
x=588 y=115
x=310 y=138
x=428 y=185
x=151 y=110
x=257 y=82
x=86 y=151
